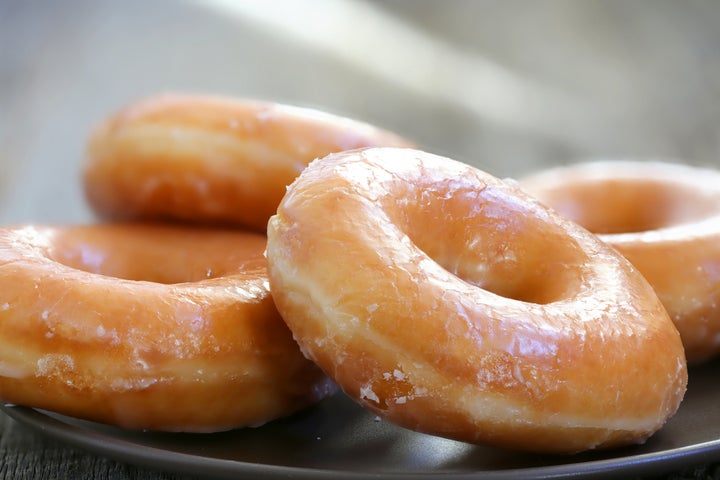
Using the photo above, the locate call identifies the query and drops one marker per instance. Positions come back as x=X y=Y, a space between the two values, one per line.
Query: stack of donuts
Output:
x=160 y=316
x=252 y=258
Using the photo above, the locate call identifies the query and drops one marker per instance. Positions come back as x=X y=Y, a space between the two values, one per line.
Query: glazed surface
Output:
x=147 y=327
x=210 y=159
x=452 y=303
x=665 y=218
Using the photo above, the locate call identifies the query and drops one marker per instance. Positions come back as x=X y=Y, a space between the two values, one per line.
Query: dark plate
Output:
x=338 y=439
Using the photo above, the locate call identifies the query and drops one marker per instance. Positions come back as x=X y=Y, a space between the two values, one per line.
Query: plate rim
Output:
x=63 y=428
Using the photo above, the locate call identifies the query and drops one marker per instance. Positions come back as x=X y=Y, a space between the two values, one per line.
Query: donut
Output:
x=662 y=216
x=155 y=327
x=450 y=302
x=210 y=159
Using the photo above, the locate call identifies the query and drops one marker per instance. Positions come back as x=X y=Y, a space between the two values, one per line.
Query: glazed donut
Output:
x=210 y=159
x=120 y=324
x=665 y=218
x=450 y=302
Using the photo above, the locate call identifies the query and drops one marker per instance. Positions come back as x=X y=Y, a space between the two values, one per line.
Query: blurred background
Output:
x=507 y=85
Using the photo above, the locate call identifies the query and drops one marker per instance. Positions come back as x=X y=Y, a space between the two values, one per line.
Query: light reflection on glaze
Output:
x=664 y=218
x=94 y=345
x=537 y=327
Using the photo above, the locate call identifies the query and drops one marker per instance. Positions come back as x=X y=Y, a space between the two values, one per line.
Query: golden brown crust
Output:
x=210 y=159
x=147 y=327
x=665 y=219
x=452 y=303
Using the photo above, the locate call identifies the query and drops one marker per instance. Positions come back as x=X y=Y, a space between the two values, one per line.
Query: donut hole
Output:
x=490 y=241
x=159 y=254
x=629 y=205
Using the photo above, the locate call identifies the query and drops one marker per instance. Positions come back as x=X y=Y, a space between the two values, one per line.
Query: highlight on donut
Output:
x=147 y=327
x=453 y=303
x=210 y=159
x=665 y=218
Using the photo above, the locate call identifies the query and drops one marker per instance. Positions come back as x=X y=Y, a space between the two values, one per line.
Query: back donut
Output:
x=210 y=159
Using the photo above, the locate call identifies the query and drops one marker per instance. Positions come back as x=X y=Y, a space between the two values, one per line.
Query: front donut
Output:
x=450 y=302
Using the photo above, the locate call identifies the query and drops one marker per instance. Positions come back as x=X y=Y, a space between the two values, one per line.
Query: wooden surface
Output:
x=27 y=455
